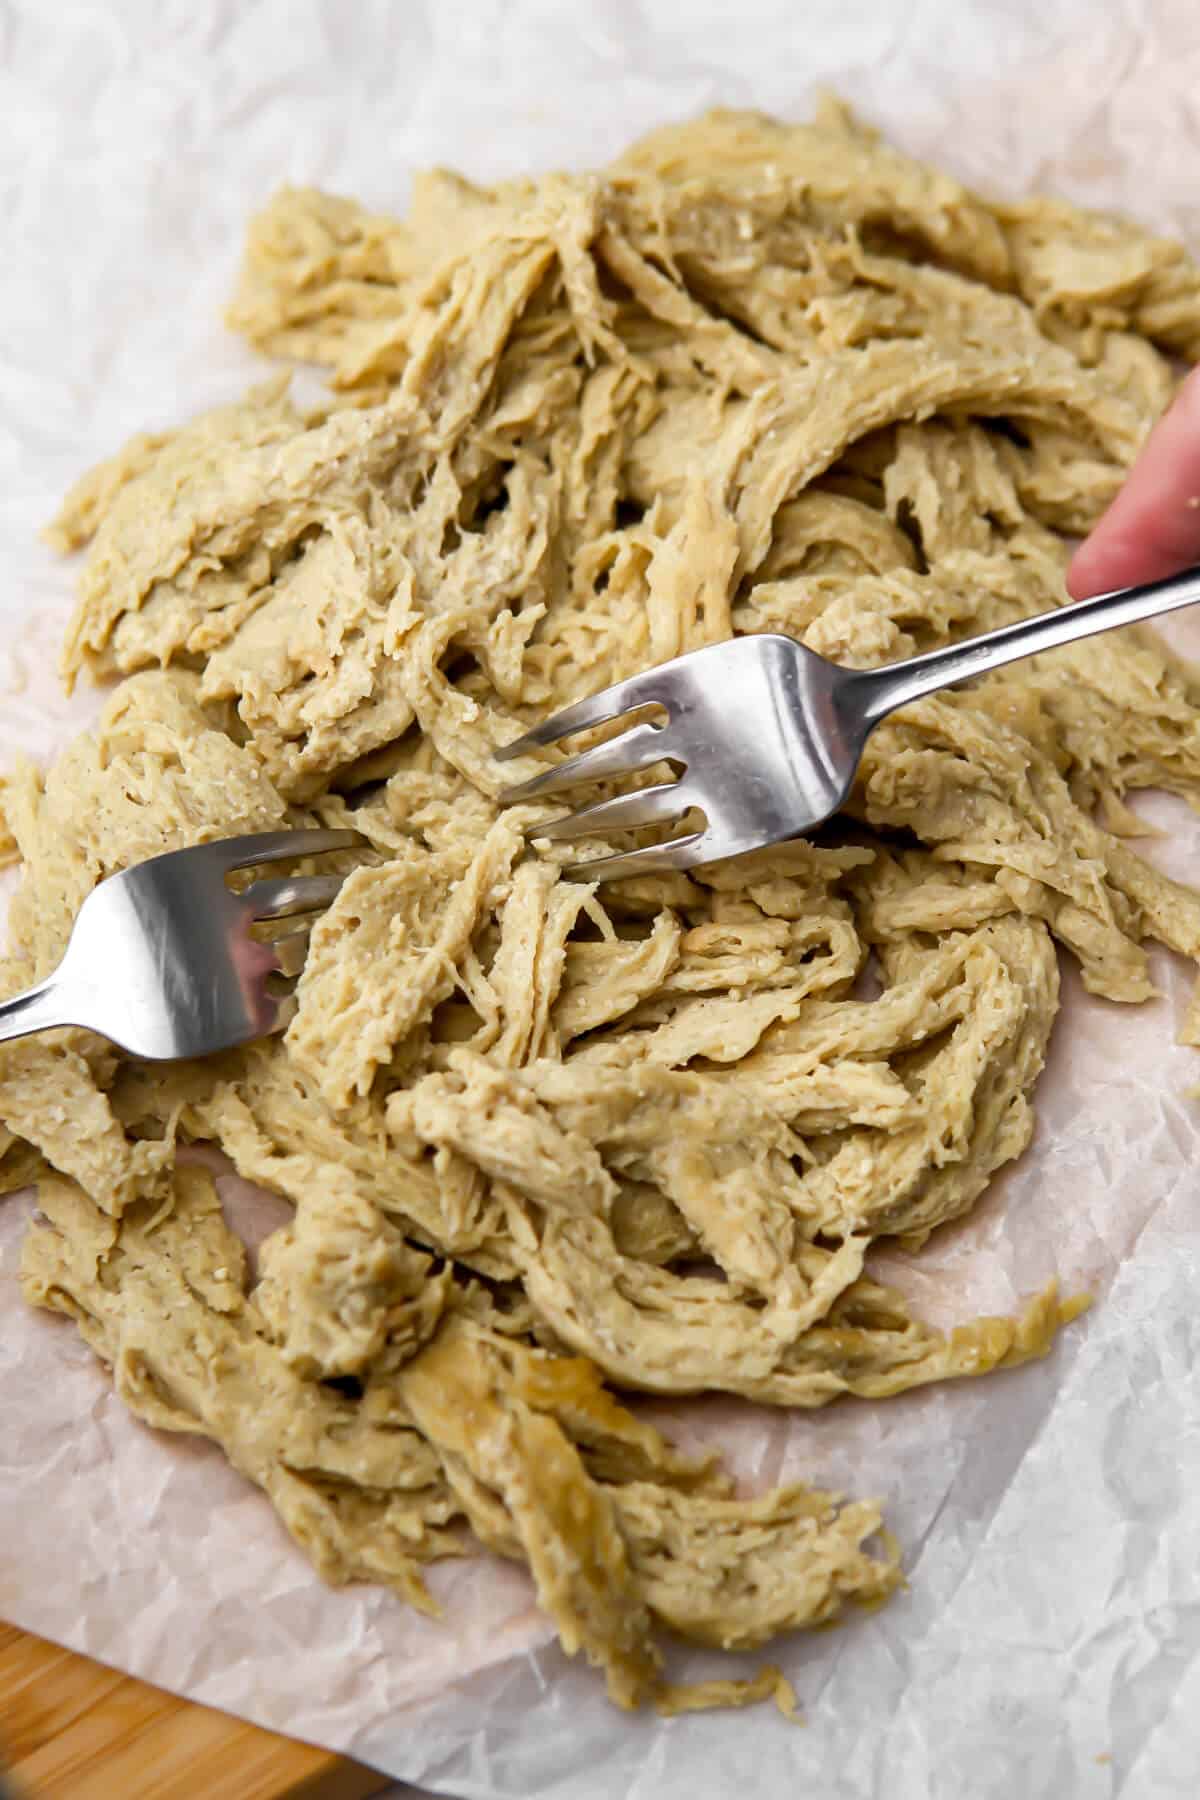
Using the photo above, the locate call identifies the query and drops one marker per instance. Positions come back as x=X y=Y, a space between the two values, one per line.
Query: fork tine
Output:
x=282 y=846
x=597 y=709
x=653 y=859
x=660 y=805
x=280 y=899
x=624 y=755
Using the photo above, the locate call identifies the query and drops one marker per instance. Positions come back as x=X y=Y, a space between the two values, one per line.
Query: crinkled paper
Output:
x=1049 y=1644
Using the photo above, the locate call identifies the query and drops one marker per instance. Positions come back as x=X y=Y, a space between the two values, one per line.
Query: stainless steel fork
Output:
x=767 y=734
x=162 y=959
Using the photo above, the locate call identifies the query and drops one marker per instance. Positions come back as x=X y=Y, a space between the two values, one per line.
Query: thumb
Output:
x=1152 y=528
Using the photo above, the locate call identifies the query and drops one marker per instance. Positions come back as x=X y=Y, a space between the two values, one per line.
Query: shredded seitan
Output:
x=547 y=1141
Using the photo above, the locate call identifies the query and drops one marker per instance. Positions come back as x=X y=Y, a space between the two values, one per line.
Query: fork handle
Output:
x=39 y=1008
x=880 y=691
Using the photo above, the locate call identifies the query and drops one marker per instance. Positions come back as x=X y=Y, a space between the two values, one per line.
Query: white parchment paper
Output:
x=1050 y=1642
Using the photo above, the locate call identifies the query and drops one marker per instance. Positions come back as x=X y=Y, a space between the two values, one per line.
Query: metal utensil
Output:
x=162 y=959
x=768 y=735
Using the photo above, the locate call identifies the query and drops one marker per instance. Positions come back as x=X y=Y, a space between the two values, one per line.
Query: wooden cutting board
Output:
x=73 y=1730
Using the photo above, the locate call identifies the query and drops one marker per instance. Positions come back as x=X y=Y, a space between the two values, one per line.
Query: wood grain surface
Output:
x=73 y=1730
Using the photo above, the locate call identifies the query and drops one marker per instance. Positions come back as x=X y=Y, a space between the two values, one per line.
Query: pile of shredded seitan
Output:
x=545 y=1141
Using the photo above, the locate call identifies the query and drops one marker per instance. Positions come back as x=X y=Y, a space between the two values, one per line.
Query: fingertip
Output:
x=1080 y=580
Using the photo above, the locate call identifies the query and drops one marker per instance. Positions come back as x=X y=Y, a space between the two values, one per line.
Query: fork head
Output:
x=759 y=729
x=164 y=960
